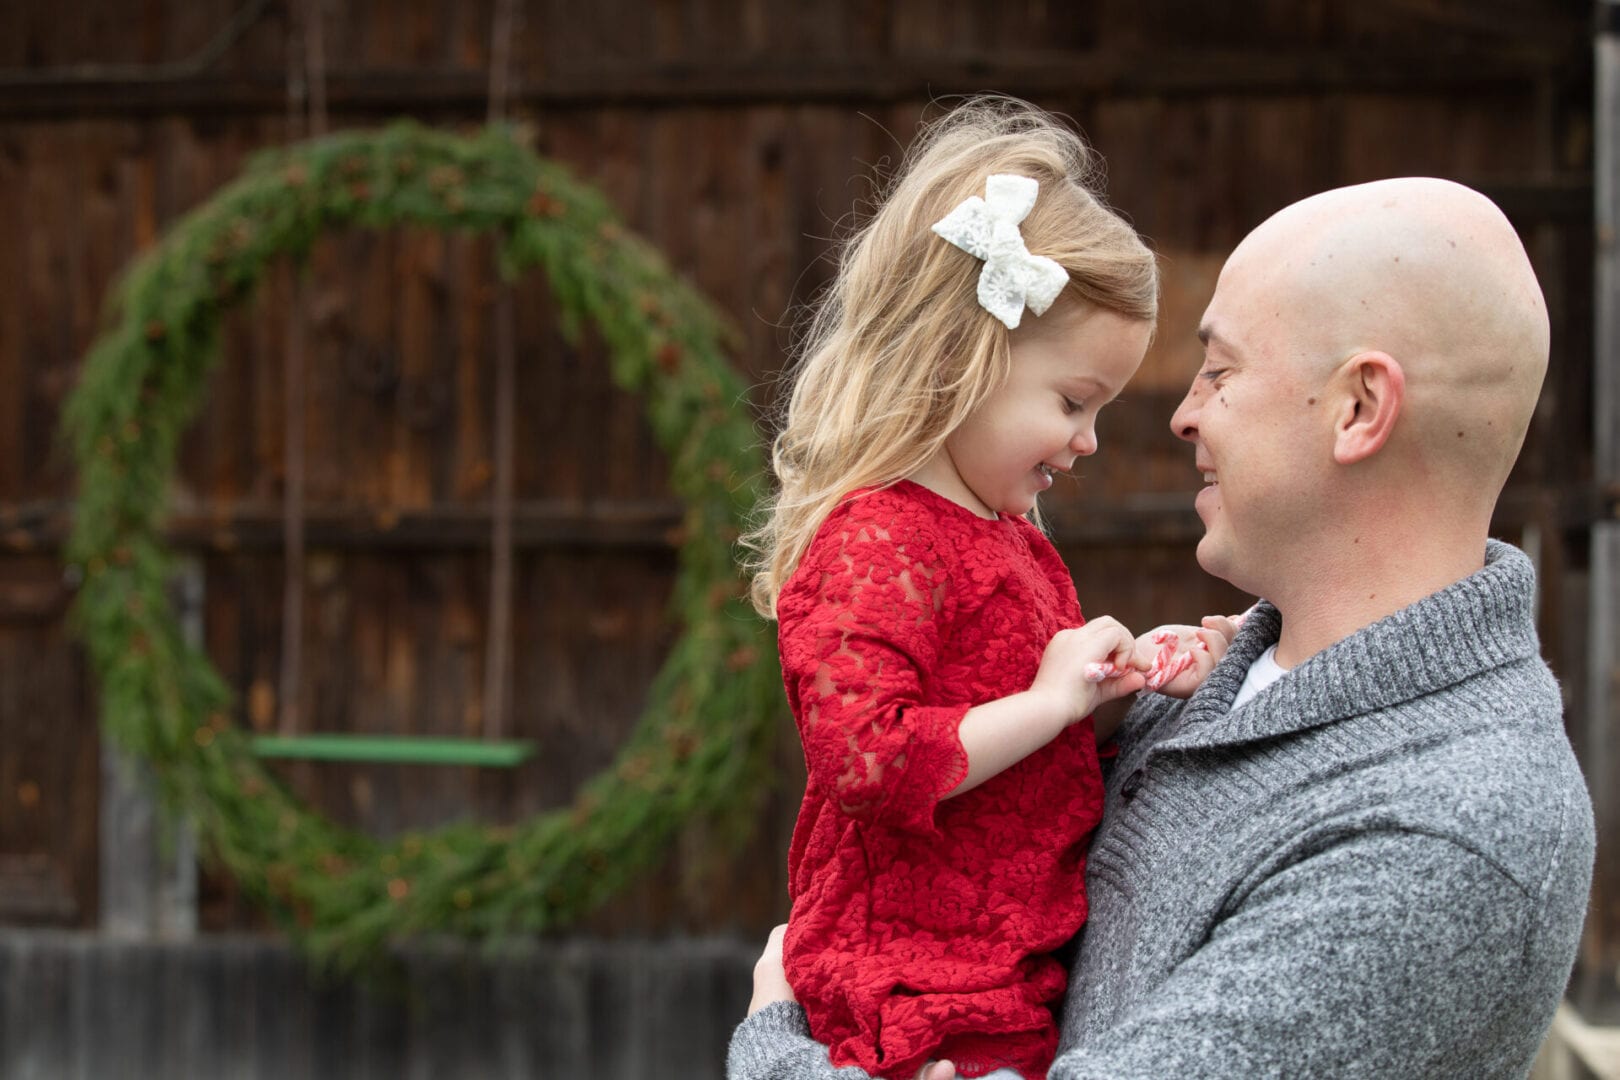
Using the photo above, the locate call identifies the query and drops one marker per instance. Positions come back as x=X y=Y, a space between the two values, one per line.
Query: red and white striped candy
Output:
x=1169 y=663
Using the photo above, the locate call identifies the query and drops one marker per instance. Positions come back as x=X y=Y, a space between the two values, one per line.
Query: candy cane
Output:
x=1168 y=664
x=1104 y=671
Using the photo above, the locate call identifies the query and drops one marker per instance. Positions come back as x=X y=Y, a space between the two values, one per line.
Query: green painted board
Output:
x=411 y=750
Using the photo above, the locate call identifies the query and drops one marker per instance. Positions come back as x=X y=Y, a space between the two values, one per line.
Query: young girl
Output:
x=932 y=644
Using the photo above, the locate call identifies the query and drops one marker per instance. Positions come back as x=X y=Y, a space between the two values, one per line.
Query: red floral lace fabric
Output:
x=922 y=928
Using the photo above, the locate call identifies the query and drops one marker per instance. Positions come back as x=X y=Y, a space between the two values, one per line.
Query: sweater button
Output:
x=1132 y=784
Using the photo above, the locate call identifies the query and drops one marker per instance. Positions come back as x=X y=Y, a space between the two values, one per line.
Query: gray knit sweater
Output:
x=1378 y=867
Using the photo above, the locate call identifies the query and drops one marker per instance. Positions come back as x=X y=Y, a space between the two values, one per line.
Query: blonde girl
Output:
x=932 y=644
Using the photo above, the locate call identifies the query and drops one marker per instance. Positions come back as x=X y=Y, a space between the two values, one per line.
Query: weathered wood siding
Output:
x=739 y=136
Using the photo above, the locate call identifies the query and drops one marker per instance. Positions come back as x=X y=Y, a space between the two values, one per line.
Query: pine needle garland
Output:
x=700 y=746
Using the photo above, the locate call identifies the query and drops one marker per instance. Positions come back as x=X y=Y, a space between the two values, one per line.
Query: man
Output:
x=1363 y=847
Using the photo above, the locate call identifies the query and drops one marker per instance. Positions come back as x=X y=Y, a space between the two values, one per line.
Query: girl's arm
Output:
x=856 y=650
x=778 y=1044
x=859 y=627
x=1001 y=733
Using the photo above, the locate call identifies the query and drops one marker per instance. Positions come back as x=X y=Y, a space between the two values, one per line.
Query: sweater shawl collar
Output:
x=1481 y=622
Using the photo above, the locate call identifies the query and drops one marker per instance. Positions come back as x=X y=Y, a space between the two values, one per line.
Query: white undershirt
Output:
x=1262 y=673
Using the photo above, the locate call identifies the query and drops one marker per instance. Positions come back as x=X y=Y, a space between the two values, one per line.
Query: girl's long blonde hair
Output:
x=900 y=352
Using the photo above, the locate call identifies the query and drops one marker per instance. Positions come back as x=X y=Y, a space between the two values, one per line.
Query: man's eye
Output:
x=1212 y=374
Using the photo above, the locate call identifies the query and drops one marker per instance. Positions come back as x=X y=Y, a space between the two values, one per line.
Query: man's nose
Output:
x=1184 y=422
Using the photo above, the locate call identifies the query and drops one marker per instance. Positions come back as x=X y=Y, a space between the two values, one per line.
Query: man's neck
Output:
x=1357 y=588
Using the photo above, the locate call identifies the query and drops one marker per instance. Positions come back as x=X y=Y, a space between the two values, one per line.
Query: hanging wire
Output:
x=496 y=684
x=306 y=106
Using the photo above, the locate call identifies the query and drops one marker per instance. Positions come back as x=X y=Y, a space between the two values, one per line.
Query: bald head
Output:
x=1431 y=273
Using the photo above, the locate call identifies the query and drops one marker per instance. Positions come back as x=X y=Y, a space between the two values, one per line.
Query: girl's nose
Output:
x=1084 y=442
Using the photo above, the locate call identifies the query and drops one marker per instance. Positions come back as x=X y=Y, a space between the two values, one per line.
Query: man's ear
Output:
x=1375 y=391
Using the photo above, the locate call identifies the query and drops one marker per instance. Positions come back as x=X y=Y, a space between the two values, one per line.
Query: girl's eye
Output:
x=1072 y=406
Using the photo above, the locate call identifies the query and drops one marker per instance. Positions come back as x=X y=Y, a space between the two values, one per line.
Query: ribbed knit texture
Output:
x=1377 y=868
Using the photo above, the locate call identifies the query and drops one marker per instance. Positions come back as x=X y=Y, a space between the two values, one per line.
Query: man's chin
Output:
x=1212 y=557
x=1216 y=559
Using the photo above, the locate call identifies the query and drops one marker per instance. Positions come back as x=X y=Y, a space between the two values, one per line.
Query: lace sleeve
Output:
x=858 y=641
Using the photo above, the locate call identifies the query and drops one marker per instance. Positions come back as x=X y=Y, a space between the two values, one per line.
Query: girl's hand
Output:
x=1225 y=625
x=770 y=980
x=771 y=986
x=1179 y=658
x=1000 y=733
x=1087 y=666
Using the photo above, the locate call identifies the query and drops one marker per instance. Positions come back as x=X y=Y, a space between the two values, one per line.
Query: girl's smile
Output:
x=1066 y=365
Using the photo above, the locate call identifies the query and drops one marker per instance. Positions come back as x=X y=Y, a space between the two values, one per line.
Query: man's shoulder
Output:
x=1485 y=764
x=1499 y=732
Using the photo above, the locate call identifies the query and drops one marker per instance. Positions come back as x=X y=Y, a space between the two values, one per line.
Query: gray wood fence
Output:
x=76 y=1005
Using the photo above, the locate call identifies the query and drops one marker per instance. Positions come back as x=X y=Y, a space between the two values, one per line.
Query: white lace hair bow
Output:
x=987 y=229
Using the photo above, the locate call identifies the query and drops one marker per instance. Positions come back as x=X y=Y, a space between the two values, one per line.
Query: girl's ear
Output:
x=1374 y=390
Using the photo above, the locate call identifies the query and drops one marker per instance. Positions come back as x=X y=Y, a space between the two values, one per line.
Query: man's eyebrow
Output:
x=1208 y=335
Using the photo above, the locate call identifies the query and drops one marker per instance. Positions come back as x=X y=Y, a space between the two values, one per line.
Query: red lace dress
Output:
x=923 y=928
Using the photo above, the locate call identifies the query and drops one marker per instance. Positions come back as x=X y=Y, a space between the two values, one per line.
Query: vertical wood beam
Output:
x=148 y=863
x=1597 y=986
x=498 y=644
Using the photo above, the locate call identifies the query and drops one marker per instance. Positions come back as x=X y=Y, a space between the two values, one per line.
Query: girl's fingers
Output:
x=1101 y=671
x=1171 y=651
x=1126 y=682
x=1124 y=649
x=1160 y=657
x=1116 y=666
x=1216 y=643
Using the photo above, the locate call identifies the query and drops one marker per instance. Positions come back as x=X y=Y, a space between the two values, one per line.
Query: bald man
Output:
x=1363 y=847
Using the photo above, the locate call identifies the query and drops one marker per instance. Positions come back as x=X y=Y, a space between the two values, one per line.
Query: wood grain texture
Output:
x=741 y=137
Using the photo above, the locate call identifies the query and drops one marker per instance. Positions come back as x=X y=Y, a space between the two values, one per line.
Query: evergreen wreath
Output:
x=699 y=747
